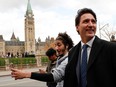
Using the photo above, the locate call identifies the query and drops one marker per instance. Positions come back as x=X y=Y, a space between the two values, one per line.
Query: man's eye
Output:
x=86 y=21
x=93 y=21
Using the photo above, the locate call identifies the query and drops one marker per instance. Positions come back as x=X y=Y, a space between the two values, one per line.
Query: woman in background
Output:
x=63 y=44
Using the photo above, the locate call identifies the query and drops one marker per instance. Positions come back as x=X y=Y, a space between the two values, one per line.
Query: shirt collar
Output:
x=89 y=43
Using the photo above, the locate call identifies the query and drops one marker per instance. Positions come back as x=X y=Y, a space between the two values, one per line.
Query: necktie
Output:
x=84 y=66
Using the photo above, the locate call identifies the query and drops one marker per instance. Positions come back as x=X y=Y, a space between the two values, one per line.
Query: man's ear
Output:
x=77 y=29
x=66 y=47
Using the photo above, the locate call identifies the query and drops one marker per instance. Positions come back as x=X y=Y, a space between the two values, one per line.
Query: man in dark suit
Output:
x=101 y=55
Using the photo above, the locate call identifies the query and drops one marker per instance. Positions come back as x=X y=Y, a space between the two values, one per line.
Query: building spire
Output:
x=13 y=38
x=1 y=38
x=29 y=10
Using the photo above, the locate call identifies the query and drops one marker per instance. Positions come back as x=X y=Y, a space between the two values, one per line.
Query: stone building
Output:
x=30 y=46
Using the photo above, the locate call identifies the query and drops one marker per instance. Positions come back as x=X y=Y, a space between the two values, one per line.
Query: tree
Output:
x=106 y=32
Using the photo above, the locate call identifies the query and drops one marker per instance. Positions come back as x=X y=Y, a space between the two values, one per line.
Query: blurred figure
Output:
x=51 y=53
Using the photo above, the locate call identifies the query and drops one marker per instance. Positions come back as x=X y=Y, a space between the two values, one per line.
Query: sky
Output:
x=53 y=16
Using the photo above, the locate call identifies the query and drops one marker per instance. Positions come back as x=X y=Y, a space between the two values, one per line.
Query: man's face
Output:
x=87 y=27
x=53 y=57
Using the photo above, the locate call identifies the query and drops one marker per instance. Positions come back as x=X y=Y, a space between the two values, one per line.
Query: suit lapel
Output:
x=96 y=47
x=74 y=61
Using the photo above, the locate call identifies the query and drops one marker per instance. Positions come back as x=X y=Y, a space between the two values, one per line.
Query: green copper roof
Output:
x=29 y=10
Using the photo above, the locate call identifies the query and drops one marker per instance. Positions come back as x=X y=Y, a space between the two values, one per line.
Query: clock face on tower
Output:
x=29 y=15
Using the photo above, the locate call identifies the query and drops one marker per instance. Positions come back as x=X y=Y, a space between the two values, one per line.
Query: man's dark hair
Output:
x=50 y=52
x=66 y=40
x=80 y=12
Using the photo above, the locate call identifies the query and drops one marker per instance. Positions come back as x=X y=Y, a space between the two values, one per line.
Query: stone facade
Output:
x=17 y=48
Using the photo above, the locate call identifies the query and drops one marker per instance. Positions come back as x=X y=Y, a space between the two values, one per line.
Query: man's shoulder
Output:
x=75 y=47
x=74 y=51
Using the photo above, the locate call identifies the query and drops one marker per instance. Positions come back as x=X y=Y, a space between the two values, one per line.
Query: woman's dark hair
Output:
x=80 y=12
x=66 y=40
x=50 y=52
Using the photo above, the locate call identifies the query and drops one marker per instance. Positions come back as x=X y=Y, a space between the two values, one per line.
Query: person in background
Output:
x=63 y=44
x=99 y=58
x=51 y=53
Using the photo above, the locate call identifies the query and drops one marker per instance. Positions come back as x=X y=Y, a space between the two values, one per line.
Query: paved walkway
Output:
x=8 y=72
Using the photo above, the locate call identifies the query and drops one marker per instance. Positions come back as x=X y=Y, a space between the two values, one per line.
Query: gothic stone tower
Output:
x=29 y=31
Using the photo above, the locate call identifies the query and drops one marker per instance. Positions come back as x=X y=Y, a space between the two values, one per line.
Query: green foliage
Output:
x=2 y=62
x=18 y=61
x=44 y=59
x=23 y=61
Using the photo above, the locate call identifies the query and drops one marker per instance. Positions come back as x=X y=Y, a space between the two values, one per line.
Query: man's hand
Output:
x=19 y=74
x=41 y=71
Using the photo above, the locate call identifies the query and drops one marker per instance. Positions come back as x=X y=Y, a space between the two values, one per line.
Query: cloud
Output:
x=6 y=5
x=51 y=16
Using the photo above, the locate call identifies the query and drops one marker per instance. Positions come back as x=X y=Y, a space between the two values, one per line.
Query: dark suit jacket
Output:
x=101 y=69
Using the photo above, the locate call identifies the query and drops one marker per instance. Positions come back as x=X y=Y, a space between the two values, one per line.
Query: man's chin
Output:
x=91 y=35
